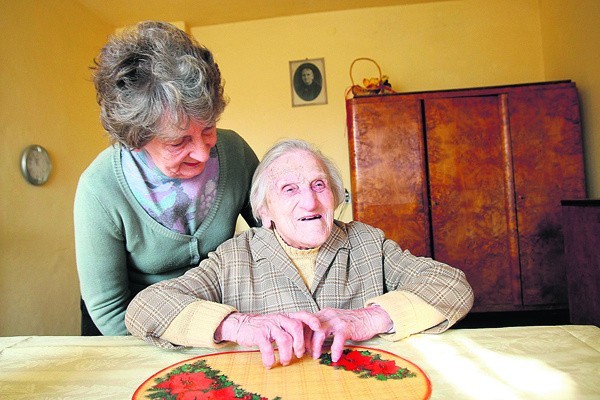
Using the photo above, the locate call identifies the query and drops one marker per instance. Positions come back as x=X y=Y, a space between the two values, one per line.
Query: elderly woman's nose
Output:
x=200 y=149
x=308 y=199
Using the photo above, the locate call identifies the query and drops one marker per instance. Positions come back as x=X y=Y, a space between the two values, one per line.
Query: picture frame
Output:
x=308 y=83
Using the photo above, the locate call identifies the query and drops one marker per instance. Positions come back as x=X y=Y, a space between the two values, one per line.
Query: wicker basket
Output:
x=371 y=87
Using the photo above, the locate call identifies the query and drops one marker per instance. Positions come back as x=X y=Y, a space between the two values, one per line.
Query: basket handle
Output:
x=364 y=59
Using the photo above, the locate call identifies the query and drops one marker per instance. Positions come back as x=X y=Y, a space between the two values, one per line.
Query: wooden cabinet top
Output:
x=487 y=90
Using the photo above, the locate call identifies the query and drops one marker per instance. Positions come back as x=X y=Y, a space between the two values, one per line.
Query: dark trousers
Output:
x=88 y=328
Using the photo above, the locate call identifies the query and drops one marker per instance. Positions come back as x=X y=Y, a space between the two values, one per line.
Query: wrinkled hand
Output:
x=360 y=324
x=285 y=329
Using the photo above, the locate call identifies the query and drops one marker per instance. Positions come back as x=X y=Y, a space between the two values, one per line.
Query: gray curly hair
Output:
x=260 y=182
x=153 y=73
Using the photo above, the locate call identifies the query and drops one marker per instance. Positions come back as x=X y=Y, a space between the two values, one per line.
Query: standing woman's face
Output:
x=182 y=153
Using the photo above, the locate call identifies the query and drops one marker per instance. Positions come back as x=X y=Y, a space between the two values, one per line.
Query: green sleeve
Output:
x=101 y=259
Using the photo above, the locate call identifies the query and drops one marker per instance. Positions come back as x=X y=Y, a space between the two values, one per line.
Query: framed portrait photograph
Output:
x=307 y=78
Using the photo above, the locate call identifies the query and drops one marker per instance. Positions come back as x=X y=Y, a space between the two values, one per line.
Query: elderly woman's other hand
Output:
x=360 y=324
x=285 y=329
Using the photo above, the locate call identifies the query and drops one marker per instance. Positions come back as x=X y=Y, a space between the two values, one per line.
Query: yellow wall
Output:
x=46 y=98
x=571 y=44
x=443 y=45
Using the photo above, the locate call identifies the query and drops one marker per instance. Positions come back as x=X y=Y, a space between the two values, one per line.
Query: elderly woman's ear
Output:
x=265 y=218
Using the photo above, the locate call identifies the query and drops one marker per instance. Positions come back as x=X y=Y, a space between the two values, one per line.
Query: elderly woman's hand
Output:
x=285 y=329
x=359 y=324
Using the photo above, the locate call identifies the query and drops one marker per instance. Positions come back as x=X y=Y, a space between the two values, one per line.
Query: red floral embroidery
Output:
x=367 y=365
x=198 y=381
x=383 y=367
x=225 y=393
x=185 y=382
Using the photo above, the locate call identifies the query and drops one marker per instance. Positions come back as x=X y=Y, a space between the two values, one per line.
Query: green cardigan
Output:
x=120 y=249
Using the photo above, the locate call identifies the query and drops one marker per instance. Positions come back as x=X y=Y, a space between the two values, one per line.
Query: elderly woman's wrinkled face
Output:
x=300 y=201
x=182 y=153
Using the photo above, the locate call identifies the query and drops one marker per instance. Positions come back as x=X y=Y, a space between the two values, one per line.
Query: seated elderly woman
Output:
x=302 y=277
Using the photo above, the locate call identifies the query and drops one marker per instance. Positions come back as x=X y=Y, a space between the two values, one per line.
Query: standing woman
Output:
x=170 y=188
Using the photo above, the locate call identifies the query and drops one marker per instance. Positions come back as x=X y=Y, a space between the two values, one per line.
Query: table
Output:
x=536 y=362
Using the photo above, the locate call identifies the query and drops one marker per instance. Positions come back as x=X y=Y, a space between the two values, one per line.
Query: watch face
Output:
x=36 y=165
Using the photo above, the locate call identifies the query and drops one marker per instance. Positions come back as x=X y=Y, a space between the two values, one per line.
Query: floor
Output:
x=517 y=318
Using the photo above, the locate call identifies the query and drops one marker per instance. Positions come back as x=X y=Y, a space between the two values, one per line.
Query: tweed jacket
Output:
x=253 y=274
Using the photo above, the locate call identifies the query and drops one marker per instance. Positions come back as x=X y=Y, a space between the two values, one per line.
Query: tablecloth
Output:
x=537 y=362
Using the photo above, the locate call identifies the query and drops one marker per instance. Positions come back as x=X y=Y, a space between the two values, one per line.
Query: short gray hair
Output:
x=260 y=186
x=153 y=73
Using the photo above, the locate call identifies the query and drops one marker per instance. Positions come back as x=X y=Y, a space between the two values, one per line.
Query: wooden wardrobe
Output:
x=474 y=178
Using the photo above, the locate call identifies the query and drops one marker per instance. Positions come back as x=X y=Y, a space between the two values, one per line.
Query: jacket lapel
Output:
x=266 y=248
x=328 y=255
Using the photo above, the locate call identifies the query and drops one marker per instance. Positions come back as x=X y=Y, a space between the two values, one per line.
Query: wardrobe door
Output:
x=387 y=167
x=472 y=203
x=548 y=161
